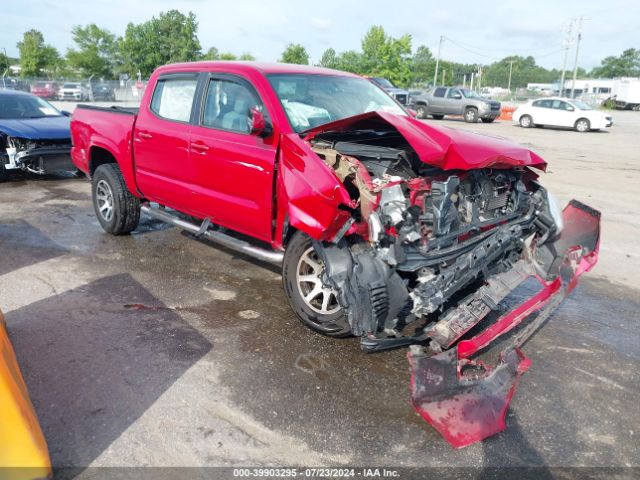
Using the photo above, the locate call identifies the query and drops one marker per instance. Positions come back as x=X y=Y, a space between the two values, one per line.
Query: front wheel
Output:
x=582 y=125
x=471 y=115
x=118 y=211
x=315 y=304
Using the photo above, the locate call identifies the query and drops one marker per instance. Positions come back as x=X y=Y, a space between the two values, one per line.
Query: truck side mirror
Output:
x=457 y=96
x=258 y=124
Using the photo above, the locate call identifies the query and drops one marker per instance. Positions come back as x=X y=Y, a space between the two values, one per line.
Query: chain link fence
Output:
x=115 y=91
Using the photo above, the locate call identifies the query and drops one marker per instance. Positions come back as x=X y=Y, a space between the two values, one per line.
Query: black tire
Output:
x=471 y=115
x=125 y=208
x=333 y=324
x=582 y=125
x=526 y=121
x=437 y=117
x=421 y=111
x=3 y=173
x=488 y=120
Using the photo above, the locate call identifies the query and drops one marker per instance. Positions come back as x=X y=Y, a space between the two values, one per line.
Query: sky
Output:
x=475 y=31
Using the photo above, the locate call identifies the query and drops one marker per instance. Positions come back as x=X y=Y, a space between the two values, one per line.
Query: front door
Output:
x=232 y=168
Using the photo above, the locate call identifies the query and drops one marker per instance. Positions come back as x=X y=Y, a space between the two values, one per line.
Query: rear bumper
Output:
x=467 y=408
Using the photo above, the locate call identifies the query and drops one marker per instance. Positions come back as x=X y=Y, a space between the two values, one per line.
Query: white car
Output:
x=74 y=91
x=561 y=112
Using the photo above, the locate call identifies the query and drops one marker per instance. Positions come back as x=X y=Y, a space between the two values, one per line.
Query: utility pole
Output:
x=575 y=64
x=510 y=70
x=435 y=75
x=567 y=46
x=464 y=81
x=444 y=71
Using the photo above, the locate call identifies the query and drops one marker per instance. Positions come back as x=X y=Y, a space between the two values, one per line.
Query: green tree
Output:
x=167 y=39
x=626 y=65
x=423 y=65
x=36 y=57
x=96 y=51
x=5 y=62
x=329 y=59
x=351 y=61
x=295 y=53
x=386 y=56
x=212 y=54
x=227 y=56
x=247 y=56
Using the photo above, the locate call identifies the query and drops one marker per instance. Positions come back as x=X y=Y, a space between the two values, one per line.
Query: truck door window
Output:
x=227 y=106
x=439 y=92
x=173 y=98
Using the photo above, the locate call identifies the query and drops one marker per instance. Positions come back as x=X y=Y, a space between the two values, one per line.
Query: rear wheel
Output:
x=526 y=121
x=3 y=173
x=421 y=111
x=315 y=304
x=471 y=115
x=582 y=125
x=437 y=117
x=118 y=211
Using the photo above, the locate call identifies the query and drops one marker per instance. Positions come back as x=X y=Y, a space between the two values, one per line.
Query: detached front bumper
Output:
x=466 y=408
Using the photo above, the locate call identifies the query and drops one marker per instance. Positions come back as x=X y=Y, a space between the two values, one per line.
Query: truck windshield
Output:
x=312 y=100
x=469 y=93
x=26 y=106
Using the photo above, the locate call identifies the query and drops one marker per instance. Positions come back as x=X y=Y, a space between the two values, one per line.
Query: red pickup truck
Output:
x=386 y=227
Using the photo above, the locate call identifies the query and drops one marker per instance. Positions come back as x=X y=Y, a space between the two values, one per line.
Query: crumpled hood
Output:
x=50 y=128
x=443 y=147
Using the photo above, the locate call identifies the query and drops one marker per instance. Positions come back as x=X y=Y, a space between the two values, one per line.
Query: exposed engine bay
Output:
x=428 y=258
x=41 y=156
x=430 y=233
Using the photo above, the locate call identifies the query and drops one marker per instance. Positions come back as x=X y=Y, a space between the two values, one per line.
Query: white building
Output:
x=590 y=87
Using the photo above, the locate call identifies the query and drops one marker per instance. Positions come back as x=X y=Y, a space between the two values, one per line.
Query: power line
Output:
x=466 y=45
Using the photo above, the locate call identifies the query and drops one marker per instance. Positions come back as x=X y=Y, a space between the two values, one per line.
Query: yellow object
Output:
x=23 y=449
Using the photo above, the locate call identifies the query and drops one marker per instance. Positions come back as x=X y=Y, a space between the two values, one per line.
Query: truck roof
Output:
x=263 y=68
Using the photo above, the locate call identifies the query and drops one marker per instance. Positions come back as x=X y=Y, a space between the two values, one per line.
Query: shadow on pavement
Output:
x=24 y=245
x=94 y=362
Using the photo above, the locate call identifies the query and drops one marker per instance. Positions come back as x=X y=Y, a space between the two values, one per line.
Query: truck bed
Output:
x=107 y=131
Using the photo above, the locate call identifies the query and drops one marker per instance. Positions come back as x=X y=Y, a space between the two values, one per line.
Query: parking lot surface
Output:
x=156 y=349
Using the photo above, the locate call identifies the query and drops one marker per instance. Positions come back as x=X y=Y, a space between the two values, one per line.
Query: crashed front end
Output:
x=39 y=156
x=438 y=237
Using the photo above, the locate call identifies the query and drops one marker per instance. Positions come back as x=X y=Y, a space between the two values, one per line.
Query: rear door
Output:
x=161 y=141
x=436 y=105
x=232 y=168
x=541 y=112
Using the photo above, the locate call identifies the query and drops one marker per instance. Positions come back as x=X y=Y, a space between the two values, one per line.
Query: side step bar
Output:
x=223 y=239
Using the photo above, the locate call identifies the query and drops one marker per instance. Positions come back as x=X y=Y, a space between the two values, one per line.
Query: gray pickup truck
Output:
x=441 y=101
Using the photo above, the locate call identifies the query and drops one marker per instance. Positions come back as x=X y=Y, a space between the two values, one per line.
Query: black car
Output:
x=104 y=92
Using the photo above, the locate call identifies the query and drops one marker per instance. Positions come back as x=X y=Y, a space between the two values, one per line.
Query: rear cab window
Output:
x=173 y=97
x=439 y=92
